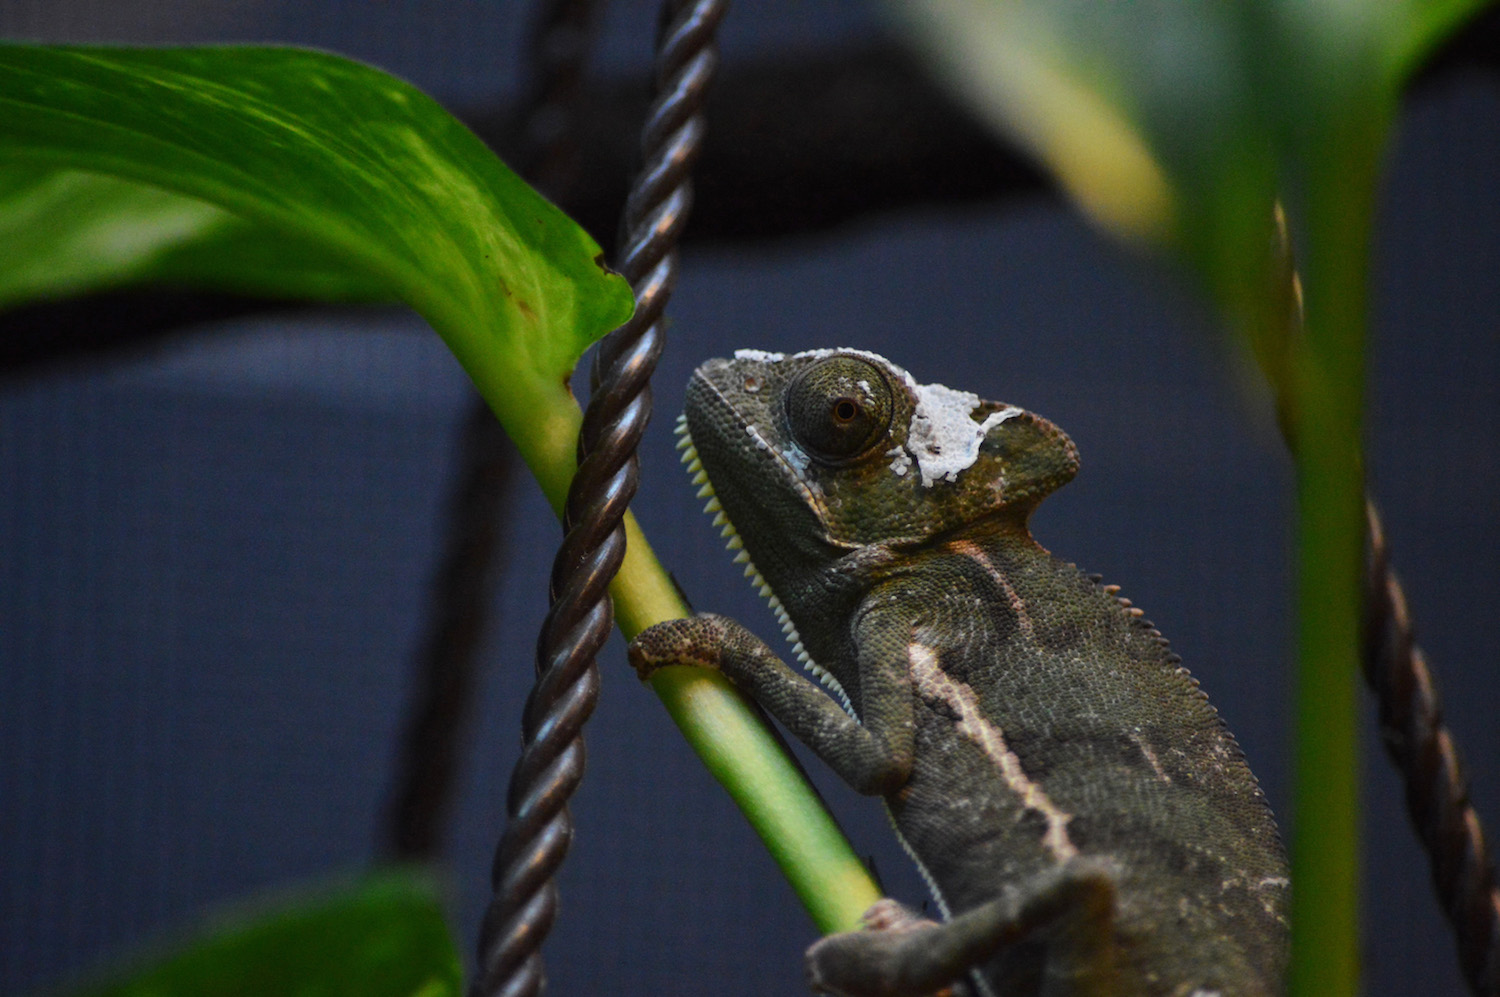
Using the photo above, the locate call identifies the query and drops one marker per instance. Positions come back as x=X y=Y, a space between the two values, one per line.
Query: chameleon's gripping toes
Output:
x=1086 y=822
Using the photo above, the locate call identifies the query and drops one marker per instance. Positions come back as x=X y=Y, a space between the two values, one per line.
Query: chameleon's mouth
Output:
x=742 y=556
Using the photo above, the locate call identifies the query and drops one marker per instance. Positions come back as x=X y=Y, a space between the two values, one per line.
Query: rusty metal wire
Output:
x=1437 y=790
x=540 y=828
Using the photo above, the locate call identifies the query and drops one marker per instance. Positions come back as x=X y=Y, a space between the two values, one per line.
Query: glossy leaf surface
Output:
x=342 y=178
x=361 y=170
x=69 y=233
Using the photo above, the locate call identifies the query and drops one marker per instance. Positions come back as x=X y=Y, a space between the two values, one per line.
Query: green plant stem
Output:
x=1328 y=384
x=1326 y=805
x=736 y=746
x=719 y=724
x=741 y=752
x=549 y=449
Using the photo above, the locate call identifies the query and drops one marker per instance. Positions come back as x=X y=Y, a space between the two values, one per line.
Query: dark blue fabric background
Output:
x=214 y=560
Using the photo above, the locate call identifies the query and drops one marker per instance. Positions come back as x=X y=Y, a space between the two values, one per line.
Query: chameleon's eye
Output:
x=839 y=408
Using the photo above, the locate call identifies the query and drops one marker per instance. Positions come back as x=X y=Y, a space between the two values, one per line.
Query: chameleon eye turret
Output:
x=839 y=408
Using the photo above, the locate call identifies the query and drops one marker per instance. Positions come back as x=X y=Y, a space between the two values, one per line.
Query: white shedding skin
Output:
x=876 y=358
x=795 y=459
x=900 y=461
x=943 y=436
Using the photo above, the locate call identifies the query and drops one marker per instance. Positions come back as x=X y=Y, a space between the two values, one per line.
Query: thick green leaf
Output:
x=375 y=177
x=362 y=166
x=1183 y=123
x=385 y=937
x=68 y=232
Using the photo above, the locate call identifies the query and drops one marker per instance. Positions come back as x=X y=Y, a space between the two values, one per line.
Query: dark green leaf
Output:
x=383 y=938
x=362 y=166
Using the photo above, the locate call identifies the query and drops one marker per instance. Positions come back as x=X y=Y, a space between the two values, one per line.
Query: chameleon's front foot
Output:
x=695 y=640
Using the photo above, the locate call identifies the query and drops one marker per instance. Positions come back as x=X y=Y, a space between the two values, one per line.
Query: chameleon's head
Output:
x=817 y=453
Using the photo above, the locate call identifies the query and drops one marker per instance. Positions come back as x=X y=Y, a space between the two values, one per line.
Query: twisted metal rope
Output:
x=1437 y=790
x=540 y=828
x=463 y=588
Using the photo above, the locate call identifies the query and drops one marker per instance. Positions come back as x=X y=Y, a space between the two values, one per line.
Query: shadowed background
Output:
x=216 y=544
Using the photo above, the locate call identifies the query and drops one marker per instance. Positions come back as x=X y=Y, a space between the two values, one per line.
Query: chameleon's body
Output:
x=1087 y=822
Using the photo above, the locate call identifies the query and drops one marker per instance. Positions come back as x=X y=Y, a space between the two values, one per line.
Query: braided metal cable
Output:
x=463 y=586
x=540 y=828
x=1437 y=790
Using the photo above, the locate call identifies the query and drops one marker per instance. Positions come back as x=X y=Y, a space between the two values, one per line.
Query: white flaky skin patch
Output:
x=762 y=356
x=935 y=684
x=900 y=461
x=943 y=436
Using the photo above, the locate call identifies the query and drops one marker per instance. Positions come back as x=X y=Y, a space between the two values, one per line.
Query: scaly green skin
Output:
x=1087 y=823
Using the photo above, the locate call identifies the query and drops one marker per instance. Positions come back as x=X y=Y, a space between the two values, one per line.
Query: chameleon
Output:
x=1085 y=820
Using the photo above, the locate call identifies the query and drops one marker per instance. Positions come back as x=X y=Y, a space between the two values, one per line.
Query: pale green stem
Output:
x=720 y=725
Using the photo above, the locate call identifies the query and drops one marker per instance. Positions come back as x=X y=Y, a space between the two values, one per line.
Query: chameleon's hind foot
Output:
x=891 y=932
x=901 y=954
x=876 y=960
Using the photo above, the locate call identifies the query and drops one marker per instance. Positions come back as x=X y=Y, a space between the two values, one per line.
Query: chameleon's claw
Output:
x=884 y=923
x=692 y=641
x=886 y=914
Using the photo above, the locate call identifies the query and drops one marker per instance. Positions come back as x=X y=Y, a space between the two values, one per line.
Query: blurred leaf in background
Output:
x=1178 y=123
x=384 y=937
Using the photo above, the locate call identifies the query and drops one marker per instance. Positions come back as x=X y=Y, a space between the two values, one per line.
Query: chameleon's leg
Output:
x=1071 y=909
x=873 y=756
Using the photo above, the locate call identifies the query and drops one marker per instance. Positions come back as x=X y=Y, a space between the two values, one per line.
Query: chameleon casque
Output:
x=1087 y=823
